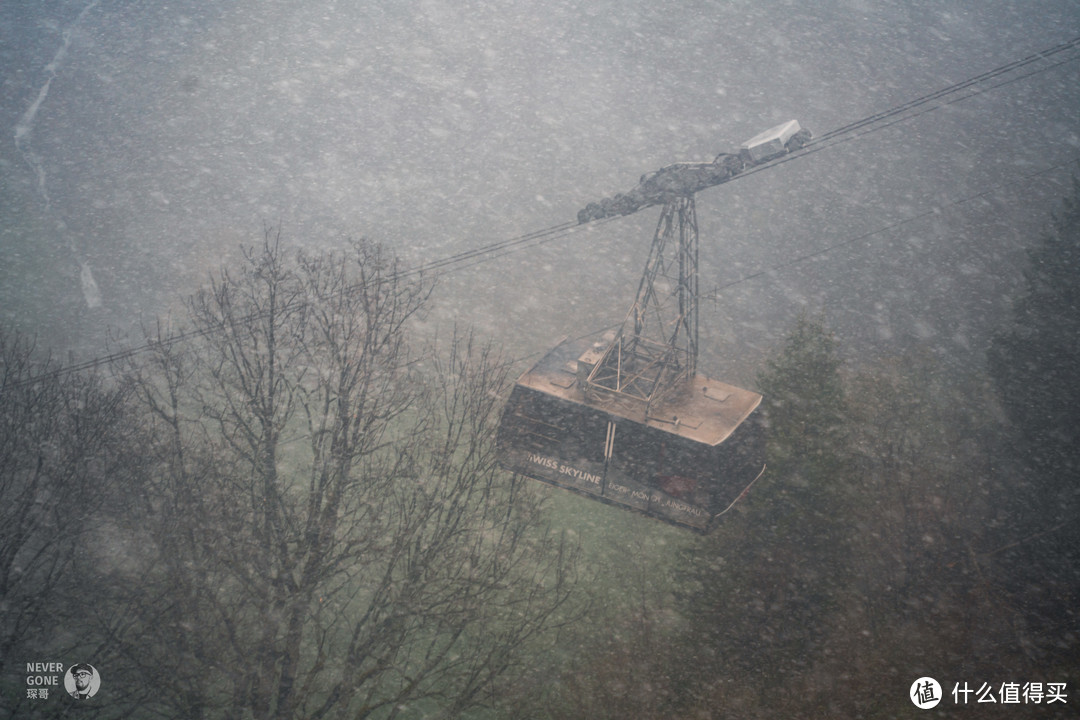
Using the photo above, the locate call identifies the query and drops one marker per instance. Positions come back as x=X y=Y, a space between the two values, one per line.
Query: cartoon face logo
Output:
x=82 y=681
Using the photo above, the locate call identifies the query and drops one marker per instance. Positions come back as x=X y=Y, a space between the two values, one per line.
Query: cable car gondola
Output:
x=684 y=461
x=626 y=418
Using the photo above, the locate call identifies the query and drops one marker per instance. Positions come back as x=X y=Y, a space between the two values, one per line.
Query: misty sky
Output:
x=141 y=141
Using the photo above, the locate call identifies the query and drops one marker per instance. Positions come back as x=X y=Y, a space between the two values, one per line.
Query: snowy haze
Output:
x=145 y=140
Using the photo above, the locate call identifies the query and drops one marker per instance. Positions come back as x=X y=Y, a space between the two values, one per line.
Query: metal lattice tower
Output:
x=657 y=345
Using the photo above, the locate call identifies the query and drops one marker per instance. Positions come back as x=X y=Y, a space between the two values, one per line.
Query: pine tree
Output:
x=1035 y=364
x=804 y=403
x=762 y=592
x=1035 y=361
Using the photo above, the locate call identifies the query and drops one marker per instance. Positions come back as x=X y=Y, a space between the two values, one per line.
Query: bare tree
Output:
x=60 y=450
x=331 y=533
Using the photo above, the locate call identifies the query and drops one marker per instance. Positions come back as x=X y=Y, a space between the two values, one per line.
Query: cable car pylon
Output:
x=656 y=347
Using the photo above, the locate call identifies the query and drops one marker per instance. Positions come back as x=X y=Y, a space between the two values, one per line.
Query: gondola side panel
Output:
x=560 y=444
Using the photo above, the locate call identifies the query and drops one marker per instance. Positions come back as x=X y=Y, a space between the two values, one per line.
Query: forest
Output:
x=289 y=506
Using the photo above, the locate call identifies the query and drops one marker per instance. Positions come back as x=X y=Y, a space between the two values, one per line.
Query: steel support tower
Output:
x=656 y=347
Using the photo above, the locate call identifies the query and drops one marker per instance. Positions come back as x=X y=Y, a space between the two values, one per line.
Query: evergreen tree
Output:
x=804 y=403
x=1035 y=364
x=1035 y=361
x=762 y=592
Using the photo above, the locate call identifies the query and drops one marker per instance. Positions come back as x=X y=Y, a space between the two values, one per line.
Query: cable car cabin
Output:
x=683 y=461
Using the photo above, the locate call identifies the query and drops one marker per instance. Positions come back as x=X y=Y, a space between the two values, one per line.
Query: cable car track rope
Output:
x=852 y=131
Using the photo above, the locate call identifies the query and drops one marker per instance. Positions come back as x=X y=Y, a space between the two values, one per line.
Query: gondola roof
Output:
x=700 y=409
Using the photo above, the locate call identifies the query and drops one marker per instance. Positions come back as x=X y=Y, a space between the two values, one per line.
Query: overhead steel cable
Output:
x=504 y=245
x=901 y=113
x=498 y=250
x=880 y=125
x=867 y=125
x=485 y=253
x=190 y=334
x=712 y=294
x=956 y=87
x=892 y=226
